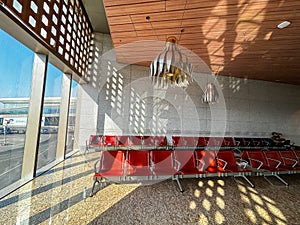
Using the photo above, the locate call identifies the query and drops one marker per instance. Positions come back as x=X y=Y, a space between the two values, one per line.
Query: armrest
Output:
x=256 y=160
x=237 y=143
x=256 y=143
x=226 y=143
x=237 y=150
x=275 y=160
x=96 y=166
x=177 y=165
x=103 y=140
x=225 y=163
x=242 y=163
x=87 y=144
x=294 y=160
x=247 y=143
x=202 y=162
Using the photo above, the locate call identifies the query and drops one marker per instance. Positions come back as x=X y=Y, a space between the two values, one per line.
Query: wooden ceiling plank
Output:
x=109 y=3
x=119 y=20
x=133 y=9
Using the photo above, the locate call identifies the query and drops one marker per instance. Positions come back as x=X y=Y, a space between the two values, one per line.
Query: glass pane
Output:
x=16 y=62
x=50 y=117
x=72 y=117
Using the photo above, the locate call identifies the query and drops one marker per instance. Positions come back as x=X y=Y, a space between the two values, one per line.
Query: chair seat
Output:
x=136 y=171
x=189 y=171
x=164 y=172
x=109 y=173
x=212 y=169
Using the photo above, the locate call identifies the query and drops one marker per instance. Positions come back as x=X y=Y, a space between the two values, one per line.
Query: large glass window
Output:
x=72 y=117
x=16 y=62
x=50 y=117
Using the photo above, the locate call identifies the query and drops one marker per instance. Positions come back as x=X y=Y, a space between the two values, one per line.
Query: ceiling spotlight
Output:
x=284 y=24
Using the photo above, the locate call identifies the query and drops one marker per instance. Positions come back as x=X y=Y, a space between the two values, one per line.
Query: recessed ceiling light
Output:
x=284 y=24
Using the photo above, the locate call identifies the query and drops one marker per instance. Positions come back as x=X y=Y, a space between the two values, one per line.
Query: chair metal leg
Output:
x=249 y=182
x=92 y=192
x=179 y=184
x=282 y=180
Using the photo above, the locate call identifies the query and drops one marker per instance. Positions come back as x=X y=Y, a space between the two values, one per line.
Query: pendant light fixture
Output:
x=210 y=94
x=171 y=66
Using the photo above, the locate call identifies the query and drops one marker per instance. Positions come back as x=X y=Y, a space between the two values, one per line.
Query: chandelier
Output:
x=171 y=66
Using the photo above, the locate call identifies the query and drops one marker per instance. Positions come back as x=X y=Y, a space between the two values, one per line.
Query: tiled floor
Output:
x=57 y=198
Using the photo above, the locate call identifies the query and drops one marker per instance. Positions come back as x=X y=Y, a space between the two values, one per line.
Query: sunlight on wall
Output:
x=137 y=113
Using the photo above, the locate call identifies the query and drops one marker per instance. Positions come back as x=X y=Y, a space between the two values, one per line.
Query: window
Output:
x=16 y=62
x=72 y=117
x=50 y=118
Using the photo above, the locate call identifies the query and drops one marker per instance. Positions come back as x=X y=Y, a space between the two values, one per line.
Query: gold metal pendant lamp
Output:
x=171 y=66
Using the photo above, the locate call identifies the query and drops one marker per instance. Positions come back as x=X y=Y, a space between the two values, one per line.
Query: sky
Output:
x=16 y=68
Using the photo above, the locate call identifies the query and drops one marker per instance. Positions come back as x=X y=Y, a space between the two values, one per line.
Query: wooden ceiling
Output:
x=233 y=37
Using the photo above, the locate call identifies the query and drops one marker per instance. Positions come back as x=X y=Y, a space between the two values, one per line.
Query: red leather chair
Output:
x=138 y=163
x=123 y=141
x=290 y=159
x=109 y=140
x=264 y=164
x=110 y=166
x=163 y=163
x=200 y=142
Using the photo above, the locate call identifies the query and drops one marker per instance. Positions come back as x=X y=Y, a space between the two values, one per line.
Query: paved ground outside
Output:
x=11 y=155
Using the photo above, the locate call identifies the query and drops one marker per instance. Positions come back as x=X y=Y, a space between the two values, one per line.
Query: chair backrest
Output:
x=112 y=160
x=297 y=154
x=256 y=142
x=160 y=141
x=123 y=141
x=269 y=155
x=206 y=158
x=200 y=141
x=258 y=155
x=162 y=159
x=139 y=158
x=95 y=140
x=228 y=156
x=186 y=158
x=247 y=141
x=109 y=140
x=136 y=140
x=176 y=141
x=228 y=142
x=242 y=142
x=183 y=141
x=149 y=141
x=188 y=141
x=214 y=141
x=288 y=157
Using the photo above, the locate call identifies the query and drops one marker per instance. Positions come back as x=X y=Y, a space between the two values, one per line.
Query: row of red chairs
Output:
x=273 y=162
x=176 y=141
x=139 y=165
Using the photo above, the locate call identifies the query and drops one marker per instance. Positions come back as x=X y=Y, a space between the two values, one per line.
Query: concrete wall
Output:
x=121 y=99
